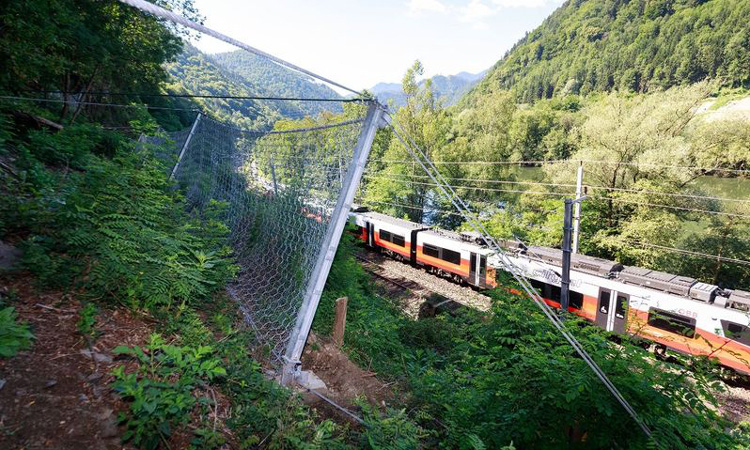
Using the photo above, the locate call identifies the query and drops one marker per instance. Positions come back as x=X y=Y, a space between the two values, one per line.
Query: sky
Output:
x=359 y=43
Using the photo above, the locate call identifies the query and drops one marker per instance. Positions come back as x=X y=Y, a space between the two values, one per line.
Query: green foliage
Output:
x=163 y=392
x=14 y=334
x=482 y=382
x=633 y=46
x=393 y=430
x=86 y=324
x=116 y=228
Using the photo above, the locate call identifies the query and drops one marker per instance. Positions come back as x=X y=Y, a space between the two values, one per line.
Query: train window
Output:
x=604 y=297
x=398 y=240
x=621 y=307
x=576 y=300
x=431 y=250
x=451 y=256
x=555 y=293
x=736 y=332
x=540 y=287
x=669 y=321
x=385 y=235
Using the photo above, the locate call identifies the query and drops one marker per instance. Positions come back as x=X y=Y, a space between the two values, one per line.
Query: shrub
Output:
x=14 y=334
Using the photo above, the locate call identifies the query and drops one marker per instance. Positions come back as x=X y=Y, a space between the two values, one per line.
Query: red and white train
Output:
x=673 y=311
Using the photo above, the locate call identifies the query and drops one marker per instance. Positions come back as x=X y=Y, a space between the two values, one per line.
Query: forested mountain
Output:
x=628 y=45
x=243 y=74
x=448 y=88
x=269 y=79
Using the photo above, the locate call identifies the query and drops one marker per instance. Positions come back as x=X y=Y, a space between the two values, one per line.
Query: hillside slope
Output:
x=632 y=45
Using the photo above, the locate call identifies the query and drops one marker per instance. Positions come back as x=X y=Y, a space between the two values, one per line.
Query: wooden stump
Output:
x=340 y=323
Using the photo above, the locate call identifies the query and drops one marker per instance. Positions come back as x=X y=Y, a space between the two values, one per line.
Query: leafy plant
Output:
x=162 y=393
x=14 y=334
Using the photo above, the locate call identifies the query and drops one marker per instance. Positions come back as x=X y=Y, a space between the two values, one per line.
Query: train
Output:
x=671 y=311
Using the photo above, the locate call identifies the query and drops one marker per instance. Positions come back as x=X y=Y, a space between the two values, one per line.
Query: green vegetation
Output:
x=475 y=381
x=632 y=46
x=646 y=158
x=14 y=334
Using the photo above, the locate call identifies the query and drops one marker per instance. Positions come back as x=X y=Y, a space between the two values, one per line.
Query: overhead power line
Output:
x=150 y=8
x=686 y=252
x=398 y=180
x=540 y=183
x=559 y=161
x=678 y=208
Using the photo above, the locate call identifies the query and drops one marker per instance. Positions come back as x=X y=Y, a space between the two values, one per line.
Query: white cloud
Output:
x=524 y=3
x=475 y=13
x=416 y=6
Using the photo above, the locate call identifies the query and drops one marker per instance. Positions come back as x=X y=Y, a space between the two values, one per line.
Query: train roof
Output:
x=589 y=264
x=393 y=221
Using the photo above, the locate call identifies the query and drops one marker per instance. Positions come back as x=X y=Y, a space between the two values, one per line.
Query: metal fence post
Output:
x=185 y=145
x=340 y=214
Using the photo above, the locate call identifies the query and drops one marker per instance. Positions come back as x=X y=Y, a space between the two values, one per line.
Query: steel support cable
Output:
x=218 y=96
x=416 y=152
x=150 y=8
x=73 y=102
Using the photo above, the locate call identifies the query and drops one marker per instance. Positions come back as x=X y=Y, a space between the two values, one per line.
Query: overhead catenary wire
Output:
x=158 y=11
x=451 y=195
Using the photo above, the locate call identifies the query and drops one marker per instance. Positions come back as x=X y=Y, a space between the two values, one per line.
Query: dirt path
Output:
x=55 y=395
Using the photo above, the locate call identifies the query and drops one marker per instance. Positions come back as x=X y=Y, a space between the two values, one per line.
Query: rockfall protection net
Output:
x=276 y=192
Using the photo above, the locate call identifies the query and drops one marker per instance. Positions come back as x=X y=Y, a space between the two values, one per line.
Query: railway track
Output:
x=438 y=292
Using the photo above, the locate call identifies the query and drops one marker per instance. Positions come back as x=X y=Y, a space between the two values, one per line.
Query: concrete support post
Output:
x=339 y=217
x=565 y=279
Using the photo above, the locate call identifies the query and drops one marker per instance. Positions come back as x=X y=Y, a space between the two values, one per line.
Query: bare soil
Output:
x=56 y=394
x=345 y=381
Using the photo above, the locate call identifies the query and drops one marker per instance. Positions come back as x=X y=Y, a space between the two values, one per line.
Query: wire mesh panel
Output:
x=276 y=192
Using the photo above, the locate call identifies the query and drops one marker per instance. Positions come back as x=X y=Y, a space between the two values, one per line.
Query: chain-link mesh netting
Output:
x=277 y=192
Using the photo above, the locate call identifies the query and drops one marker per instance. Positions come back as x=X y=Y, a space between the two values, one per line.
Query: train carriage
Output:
x=675 y=312
x=453 y=255
x=672 y=311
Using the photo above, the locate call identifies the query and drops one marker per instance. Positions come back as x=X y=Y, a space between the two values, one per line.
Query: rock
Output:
x=50 y=383
x=100 y=357
x=2 y=383
x=8 y=255
x=94 y=376
x=83 y=398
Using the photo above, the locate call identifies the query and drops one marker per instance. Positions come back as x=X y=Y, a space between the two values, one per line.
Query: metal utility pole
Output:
x=185 y=145
x=567 y=251
x=340 y=214
x=577 y=208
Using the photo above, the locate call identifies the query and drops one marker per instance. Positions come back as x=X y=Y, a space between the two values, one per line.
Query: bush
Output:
x=14 y=335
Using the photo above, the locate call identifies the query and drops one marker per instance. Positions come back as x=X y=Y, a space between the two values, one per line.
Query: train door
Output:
x=603 y=308
x=473 y=272
x=619 y=320
x=612 y=310
x=370 y=234
x=482 y=275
